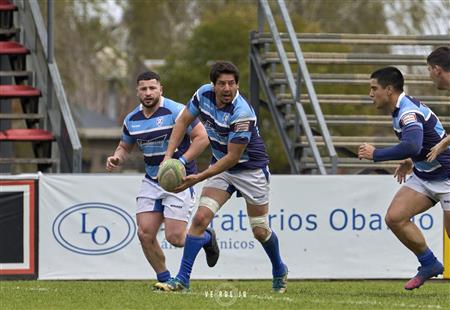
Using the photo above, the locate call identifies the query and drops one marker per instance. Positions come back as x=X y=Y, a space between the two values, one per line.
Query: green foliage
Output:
x=221 y=36
x=86 y=51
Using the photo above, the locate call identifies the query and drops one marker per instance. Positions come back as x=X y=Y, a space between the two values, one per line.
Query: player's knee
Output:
x=176 y=239
x=146 y=237
x=260 y=227
x=261 y=234
x=391 y=220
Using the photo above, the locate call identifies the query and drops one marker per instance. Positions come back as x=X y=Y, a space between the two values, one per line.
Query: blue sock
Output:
x=192 y=246
x=426 y=258
x=163 y=276
x=273 y=251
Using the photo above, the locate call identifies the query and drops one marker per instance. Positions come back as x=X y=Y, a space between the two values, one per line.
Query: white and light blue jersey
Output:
x=411 y=112
x=234 y=123
x=152 y=135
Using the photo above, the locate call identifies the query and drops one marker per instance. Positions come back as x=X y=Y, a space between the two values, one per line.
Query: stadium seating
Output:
x=20 y=119
x=339 y=67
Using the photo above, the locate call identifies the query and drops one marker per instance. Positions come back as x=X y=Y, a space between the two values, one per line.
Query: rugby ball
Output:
x=170 y=174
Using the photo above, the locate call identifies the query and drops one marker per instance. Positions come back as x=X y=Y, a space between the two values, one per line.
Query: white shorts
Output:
x=152 y=198
x=253 y=185
x=437 y=191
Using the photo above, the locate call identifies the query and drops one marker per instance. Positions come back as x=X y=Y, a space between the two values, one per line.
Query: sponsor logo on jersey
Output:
x=242 y=126
x=158 y=141
x=409 y=118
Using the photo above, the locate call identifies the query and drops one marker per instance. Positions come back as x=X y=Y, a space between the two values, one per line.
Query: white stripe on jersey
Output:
x=215 y=120
x=218 y=141
x=244 y=119
x=154 y=154
x=150 y=130
x=429 y=115
x=428 y=170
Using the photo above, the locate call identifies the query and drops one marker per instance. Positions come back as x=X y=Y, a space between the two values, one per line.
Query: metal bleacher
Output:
x=37 y=132
x=319 y=98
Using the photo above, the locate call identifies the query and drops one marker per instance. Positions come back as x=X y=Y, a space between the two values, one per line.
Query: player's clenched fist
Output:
x=366 y=151
x=112 y=162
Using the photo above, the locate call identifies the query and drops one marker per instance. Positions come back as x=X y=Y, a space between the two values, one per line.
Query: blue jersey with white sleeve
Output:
x=234 y=123
x=411 y=112
x=152 y=135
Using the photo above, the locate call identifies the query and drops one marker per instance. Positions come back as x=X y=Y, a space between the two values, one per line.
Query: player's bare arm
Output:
x=438 y=149
x=199 y=142
x=178 y=132
x=120 y=155
x=403 y=169
x=229 y=160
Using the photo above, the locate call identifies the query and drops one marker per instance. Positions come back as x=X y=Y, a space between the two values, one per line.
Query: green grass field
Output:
x=216 y=295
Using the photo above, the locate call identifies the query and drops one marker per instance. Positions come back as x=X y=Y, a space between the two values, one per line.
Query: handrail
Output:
x=59 y=114
x=265 y=8
x=309 y=86
x=363 y=39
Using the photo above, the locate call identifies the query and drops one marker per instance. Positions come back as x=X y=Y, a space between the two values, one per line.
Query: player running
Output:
x=418 y=129
x=149 y=126
x=239 y=164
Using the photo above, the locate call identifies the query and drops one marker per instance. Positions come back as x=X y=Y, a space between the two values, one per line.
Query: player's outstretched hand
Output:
x=366 y=151
x=188 y=181
x=403 y=169
x=436 y=150
x=112 y=162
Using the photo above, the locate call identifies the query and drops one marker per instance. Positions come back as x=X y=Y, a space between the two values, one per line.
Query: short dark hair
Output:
x=223 y=67
x=389 y=76
x=148 y=75
x=440 y=57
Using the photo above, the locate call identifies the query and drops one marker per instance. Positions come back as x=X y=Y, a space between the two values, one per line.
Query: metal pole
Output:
x=50 y=17
x=291 y=83
x=303 y=70
x=50 y=57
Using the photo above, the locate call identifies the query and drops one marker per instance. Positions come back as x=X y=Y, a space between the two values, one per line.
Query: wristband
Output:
x=183 y=160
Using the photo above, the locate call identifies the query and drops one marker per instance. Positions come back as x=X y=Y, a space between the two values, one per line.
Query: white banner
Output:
x=329 y=227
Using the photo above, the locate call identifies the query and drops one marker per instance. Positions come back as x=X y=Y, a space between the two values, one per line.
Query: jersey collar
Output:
x=235 y=97
x=400 y=99
x=397 y=105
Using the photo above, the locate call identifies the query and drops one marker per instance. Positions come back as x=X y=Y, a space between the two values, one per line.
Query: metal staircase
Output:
x=319 y=99
x=37 y=132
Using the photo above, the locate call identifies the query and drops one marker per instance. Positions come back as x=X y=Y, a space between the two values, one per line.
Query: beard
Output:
x=150 y=104
x=226 y=99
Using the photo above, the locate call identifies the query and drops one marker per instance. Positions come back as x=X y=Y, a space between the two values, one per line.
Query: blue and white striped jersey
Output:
x=234 y=123
x=152 y=135
x=411 y=112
